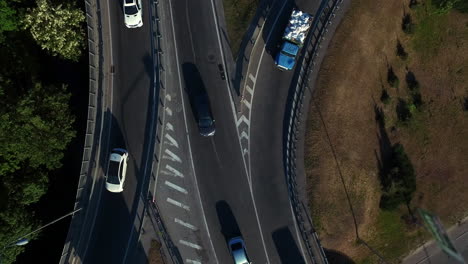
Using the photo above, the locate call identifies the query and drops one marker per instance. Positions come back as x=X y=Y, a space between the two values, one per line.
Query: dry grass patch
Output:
x=155 y=256
x=348 y=92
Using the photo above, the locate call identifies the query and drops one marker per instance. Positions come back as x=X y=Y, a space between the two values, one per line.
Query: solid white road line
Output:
x=187 y=225
x=188 y=136
x=176 y=203
x=176 y=187
x=190 y=244
x=249 y=89
x=252 y=78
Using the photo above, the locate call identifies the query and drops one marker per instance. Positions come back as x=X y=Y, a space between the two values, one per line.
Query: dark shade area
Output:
x=336 y=257
x=286 y=246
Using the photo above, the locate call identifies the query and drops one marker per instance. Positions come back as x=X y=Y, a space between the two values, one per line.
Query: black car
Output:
x=206 y=123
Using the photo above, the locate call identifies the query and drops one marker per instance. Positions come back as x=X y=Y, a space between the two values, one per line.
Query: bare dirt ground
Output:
x=343 y=118
x=155 y=256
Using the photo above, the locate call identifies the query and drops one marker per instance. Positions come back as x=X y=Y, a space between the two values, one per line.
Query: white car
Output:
x=133 y=13
x=116 y=170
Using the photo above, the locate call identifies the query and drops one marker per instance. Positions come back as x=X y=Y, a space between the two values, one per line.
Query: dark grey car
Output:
x=205 y=120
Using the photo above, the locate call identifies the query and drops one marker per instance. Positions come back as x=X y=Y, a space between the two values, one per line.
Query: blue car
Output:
x=237 y=248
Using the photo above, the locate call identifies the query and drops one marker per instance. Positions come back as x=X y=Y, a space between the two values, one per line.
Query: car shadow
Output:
x=227 y=221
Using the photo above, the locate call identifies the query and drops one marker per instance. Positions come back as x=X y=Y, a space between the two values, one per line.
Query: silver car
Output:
x=133 y=13
x=237 y=248
x=116 y=170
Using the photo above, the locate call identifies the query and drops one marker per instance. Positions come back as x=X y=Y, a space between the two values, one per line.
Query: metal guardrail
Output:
x=158 y=54
x=319 y=26
x=88 y=162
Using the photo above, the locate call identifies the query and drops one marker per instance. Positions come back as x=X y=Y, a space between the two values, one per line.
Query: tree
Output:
x=8 y=19
x=57 y=29
x=399 y=183
x=36 y=130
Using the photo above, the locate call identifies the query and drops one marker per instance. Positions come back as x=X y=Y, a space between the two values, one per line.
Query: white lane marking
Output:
x=244 y=135
x=249 y=89
x=187 y=225
x=175 y=187
x=192 y=261
x=172 y=141
x=242 y=119
x=251 y=77
x=169 y=126
x=168 y=97
x=245 y=151
x=188 y=136
x=174 y=171
x=172 y=156
x=247 y=103
x=168 y=111
x=190 y=244
x=179 y=204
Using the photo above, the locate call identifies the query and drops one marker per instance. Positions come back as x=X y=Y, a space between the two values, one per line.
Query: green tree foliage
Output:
x=57 y=29
x=8 y=19
x=445 y=6
x=36 y=130
x=399 y=183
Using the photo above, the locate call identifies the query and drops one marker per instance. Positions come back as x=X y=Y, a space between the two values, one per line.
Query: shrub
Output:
x=392 y=79
x=399 y=183
x=385 y=97
x=407 y=24
x=400 y=51
x=403 y=111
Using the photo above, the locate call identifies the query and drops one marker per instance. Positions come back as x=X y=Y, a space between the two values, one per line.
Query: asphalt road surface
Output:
x=130 y=119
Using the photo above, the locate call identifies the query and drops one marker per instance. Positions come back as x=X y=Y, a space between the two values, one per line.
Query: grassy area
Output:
x=423 y=68
x=239 y=14
x=430 y=29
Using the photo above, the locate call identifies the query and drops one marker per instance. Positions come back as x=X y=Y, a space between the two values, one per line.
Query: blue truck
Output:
x=293 y=38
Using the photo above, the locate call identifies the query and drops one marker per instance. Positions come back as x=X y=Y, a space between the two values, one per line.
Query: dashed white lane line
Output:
x=168 y=97
x=174 y=171
x=179 y=204
x=172 y=156
x=187 y=225
x=190 y=244
x=243 y=119
x=172 y=141
x=192 y=261
x=175 y=187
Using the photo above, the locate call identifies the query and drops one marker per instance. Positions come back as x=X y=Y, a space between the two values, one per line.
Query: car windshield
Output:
x=131 y=10
x=236 y=246
x=113 y=173
x=205 y=122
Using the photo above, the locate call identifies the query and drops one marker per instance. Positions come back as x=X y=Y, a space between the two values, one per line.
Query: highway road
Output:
x=240 y=194
x=218 y=163
x=131 y=123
